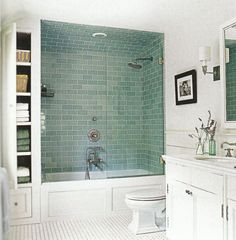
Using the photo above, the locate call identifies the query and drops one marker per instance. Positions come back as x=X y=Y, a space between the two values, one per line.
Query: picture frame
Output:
x=186 y=87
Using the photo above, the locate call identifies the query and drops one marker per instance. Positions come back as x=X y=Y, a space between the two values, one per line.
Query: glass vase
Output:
x=199 y=149
x=212 y=147
x=206 y=145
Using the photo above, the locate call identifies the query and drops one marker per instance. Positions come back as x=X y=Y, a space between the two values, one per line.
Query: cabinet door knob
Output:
x=15 y=203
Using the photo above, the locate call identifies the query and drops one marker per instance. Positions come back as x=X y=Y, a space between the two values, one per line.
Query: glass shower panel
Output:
x=112 y=84
x=153 y=112
x=74 y=68
x=135 y=117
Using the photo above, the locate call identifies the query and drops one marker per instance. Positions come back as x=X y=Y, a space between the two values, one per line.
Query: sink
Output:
x=226 y=162
x=206 y=158
x=230 y=165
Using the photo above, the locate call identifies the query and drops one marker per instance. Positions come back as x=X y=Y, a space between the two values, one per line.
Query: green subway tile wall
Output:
x=90 y=77
x=153 y=107
x=231 y=81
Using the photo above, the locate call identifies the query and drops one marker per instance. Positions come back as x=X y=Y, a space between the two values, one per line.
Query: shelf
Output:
x=23 y=63
x=23 y=94
x=23 y=153
x=23 y=123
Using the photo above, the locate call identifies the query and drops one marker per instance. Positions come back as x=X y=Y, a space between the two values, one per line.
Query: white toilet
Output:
x=148 y=206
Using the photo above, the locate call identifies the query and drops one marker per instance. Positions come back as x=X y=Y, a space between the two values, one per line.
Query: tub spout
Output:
x=98 y=166
x=97 y=163
x=87 y=175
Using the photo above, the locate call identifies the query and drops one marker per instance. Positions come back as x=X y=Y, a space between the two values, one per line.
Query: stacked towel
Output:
x=4 y=203
x=23 y=140
x=22 y=112
x=23 y=175
x=22 y=134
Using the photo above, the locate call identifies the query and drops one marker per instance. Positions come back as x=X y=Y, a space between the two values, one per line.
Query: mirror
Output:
x=228 y=70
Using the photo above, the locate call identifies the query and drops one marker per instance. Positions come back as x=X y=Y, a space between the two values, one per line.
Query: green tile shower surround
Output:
x=90 y=77
x=231 y=83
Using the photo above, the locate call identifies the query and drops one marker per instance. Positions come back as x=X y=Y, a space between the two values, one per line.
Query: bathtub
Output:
x=68 y=195
x=74 y=176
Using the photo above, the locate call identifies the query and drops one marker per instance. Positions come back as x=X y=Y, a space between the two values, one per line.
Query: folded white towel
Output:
x=5 y=202
x=22 y=114
x=23 y=172
x=22 y=119
x=22 y=106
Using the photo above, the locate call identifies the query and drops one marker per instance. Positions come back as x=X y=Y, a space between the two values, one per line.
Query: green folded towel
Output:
x=23 y=179
x=23 y=148
x=23 y=141
x=22 y=133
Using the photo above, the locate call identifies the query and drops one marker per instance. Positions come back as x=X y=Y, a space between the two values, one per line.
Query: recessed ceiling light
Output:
x=99 y=34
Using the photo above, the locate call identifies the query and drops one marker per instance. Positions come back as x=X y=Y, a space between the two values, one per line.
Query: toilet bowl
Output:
x=148 y=206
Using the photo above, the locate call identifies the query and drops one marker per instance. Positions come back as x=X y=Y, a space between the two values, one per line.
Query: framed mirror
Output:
x=228 y=72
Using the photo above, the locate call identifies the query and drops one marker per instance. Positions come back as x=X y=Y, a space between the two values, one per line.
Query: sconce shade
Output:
x=204 y=54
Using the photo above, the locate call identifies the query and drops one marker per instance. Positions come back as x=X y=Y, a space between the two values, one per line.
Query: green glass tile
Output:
x=90 y=77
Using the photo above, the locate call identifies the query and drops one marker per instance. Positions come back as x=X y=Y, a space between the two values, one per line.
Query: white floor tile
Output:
x=97 y=228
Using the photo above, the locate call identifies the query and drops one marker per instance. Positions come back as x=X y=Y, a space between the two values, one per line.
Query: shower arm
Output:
x=144 y=59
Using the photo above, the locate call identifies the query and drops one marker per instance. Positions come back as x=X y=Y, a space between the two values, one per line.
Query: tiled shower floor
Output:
x=99 y=228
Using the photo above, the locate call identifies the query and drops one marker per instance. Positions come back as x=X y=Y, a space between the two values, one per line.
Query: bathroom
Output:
x=100 y=110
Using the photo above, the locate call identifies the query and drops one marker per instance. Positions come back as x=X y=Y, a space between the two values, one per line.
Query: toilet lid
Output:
x=146 y=194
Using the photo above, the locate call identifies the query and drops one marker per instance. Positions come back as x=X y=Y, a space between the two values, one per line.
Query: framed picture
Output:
x=186 y=87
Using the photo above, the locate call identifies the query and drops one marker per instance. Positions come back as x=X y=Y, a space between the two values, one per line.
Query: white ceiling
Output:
x=154 y=15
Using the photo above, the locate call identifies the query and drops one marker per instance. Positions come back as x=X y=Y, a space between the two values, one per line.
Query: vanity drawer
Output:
x=179 y=172
x=231 y=187
x=20 y=203
x=206 y=180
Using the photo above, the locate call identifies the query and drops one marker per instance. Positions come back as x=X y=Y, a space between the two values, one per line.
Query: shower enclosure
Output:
x=104 y=115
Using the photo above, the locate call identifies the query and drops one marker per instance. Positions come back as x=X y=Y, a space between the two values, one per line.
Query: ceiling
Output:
x=151 y=15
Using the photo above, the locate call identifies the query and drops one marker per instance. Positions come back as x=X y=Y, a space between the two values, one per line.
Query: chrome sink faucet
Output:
x=228 y=150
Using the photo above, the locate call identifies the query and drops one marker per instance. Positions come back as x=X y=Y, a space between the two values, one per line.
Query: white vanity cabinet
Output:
x=231 y=225
x=194 y=203
x=231 y=207
x=179 y=212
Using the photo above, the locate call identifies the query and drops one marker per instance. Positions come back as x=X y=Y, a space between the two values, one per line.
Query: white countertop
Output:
x=218 y=163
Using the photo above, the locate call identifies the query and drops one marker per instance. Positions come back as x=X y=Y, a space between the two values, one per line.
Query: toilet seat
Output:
x=149 y=194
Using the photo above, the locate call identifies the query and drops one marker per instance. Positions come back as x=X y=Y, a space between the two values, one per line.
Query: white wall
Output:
x=182 y=43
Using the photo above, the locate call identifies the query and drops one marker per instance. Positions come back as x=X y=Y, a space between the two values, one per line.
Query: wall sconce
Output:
x=204 y=57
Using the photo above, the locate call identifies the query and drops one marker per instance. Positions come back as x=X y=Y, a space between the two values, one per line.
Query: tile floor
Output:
x=97 y=228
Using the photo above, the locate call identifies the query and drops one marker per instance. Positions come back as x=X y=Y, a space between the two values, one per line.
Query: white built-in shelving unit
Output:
x=24 y=197
x=23 y=44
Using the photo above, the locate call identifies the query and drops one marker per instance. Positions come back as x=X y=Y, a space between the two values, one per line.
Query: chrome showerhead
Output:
x=134 y=65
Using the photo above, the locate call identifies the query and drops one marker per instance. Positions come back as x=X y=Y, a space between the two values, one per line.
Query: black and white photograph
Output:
x=185 y=87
